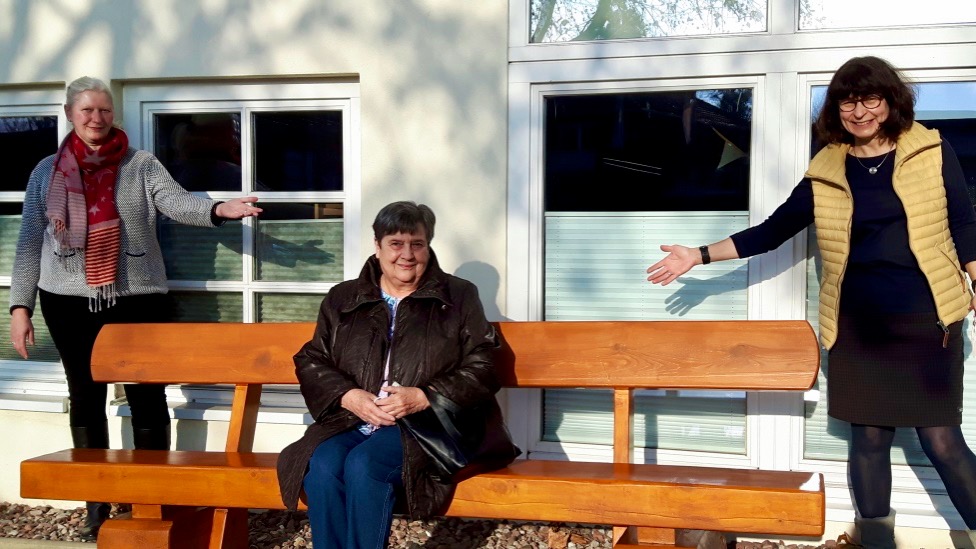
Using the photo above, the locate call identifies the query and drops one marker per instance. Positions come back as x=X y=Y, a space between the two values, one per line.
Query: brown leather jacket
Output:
x=442 y=340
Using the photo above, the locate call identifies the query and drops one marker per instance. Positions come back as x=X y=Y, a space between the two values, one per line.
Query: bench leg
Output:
x=155 y=527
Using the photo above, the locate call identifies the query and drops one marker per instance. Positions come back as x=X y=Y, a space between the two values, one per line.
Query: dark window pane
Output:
x=202 y=151
x=24 y=141
x=298 y=151
x=684 y=151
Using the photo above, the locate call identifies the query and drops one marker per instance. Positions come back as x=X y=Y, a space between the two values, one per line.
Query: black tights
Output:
x=870 y=468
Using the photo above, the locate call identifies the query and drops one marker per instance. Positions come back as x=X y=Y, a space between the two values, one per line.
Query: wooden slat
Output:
x=733 y=500
x=204 y=352
x=728 y=354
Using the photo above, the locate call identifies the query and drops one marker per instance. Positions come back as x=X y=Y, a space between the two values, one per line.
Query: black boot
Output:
x=151 y=438
x=97 y=513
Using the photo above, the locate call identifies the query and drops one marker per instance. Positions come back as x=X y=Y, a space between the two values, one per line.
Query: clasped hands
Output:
x=384 y=411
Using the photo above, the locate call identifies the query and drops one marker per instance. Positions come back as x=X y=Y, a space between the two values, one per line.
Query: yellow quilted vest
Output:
x=918 y=183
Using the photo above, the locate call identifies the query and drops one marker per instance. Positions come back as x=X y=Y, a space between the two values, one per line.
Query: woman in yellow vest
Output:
x=895 y=228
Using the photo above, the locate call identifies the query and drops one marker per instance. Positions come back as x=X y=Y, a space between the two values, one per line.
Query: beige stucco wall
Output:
x=433 y=87
x=432 y=77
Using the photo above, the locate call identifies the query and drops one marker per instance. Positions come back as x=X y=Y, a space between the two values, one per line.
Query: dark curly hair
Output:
x=404 y=217
x=860 y=77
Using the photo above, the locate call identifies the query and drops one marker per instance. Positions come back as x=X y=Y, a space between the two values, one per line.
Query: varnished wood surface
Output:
x=738 y=500
x=728 y=354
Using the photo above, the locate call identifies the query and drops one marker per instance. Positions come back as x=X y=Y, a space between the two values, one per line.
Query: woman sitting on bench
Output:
x=403 y=325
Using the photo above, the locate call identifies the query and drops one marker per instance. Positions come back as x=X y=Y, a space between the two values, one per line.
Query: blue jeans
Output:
x=351 y=487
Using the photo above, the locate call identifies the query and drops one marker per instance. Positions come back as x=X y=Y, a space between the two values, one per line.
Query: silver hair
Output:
x=86 y=83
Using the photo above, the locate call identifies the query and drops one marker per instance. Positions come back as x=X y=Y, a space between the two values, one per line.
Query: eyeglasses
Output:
x=869 y=102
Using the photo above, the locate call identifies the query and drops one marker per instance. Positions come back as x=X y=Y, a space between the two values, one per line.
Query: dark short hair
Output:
x=403 y=217
x=860 y=77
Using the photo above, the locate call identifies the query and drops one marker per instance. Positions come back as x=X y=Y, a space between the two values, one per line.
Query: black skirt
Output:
x=892 y=370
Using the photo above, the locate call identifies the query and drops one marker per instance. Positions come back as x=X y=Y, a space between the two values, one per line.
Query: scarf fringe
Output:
x=103 y=295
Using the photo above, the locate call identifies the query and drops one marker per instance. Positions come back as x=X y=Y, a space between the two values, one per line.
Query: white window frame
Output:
x=143 y=100
x=784 y=59
x=32 y=385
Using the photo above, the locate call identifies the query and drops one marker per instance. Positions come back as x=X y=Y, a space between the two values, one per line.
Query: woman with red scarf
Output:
x=88 y=249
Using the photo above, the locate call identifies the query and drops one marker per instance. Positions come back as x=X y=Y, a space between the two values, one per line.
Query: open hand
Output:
x=238 y=208
x=680 y=260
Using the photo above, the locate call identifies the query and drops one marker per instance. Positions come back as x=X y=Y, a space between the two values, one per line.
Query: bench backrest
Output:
x=781 y=355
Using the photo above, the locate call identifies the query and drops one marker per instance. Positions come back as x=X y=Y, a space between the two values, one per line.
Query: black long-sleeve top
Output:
x=882 y=273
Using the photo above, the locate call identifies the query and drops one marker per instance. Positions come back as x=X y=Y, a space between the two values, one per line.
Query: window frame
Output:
x=144 y=100
x=32 y=385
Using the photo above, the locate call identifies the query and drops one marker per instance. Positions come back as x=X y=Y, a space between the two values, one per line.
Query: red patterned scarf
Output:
x=81 y=206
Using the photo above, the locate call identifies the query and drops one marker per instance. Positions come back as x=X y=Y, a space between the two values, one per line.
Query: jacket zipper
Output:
x=945 y=334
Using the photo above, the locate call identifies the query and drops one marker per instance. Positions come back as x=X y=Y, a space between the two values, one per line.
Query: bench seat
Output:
x=199 y=499
x=791 y=503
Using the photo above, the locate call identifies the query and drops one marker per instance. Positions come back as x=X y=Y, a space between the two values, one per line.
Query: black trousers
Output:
x=73 y=329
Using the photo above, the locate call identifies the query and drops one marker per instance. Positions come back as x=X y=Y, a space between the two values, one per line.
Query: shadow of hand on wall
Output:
x=693 y=291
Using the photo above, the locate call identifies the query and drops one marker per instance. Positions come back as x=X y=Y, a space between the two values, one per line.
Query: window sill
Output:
x=34 y=403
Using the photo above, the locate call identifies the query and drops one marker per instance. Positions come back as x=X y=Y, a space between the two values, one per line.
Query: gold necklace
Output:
x=873 y=169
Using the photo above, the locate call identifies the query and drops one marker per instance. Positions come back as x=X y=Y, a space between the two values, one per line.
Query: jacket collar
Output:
x=433 y=284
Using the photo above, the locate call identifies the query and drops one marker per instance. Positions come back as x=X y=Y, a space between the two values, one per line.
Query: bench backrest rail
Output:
x=747 y=355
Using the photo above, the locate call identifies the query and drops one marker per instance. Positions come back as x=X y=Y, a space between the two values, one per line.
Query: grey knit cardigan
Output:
x=143 y=187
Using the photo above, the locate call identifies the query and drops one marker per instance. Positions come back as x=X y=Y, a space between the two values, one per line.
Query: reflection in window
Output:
x=844 y=14
x=649 y=151
x=202 y=151
x=298 y=151
x=25 y=141
x=582 y=20
x=201 y=253
x=299 y=242
x=949 y=107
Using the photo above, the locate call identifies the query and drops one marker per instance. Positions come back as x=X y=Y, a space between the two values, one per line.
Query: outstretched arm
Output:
x=681 y=259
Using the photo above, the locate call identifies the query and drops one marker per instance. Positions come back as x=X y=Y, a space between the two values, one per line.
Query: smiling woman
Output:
x=88 y=249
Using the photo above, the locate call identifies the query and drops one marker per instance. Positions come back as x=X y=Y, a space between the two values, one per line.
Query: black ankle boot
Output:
x=97 y=514
x=151 y=438
x=90 y=436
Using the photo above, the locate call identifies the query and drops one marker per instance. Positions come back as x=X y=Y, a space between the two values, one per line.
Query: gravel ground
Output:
x=287 y=530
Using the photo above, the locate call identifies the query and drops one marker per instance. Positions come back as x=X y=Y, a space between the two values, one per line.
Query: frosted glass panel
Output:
x=288 y=307
x=43 y=348
x=208 y=306
x=202 y=253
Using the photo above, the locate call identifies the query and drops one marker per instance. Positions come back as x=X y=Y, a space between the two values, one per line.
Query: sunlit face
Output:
x=403 y=259
x=862 y=122
x=92 y=116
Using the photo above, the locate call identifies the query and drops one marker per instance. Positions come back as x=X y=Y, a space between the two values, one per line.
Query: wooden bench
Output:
x=188 y=499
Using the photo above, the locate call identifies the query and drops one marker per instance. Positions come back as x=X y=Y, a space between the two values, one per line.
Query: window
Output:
x=625 y=172
x=30 y=125
x=841 y=14
x=584 y=20
x=295 y=147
